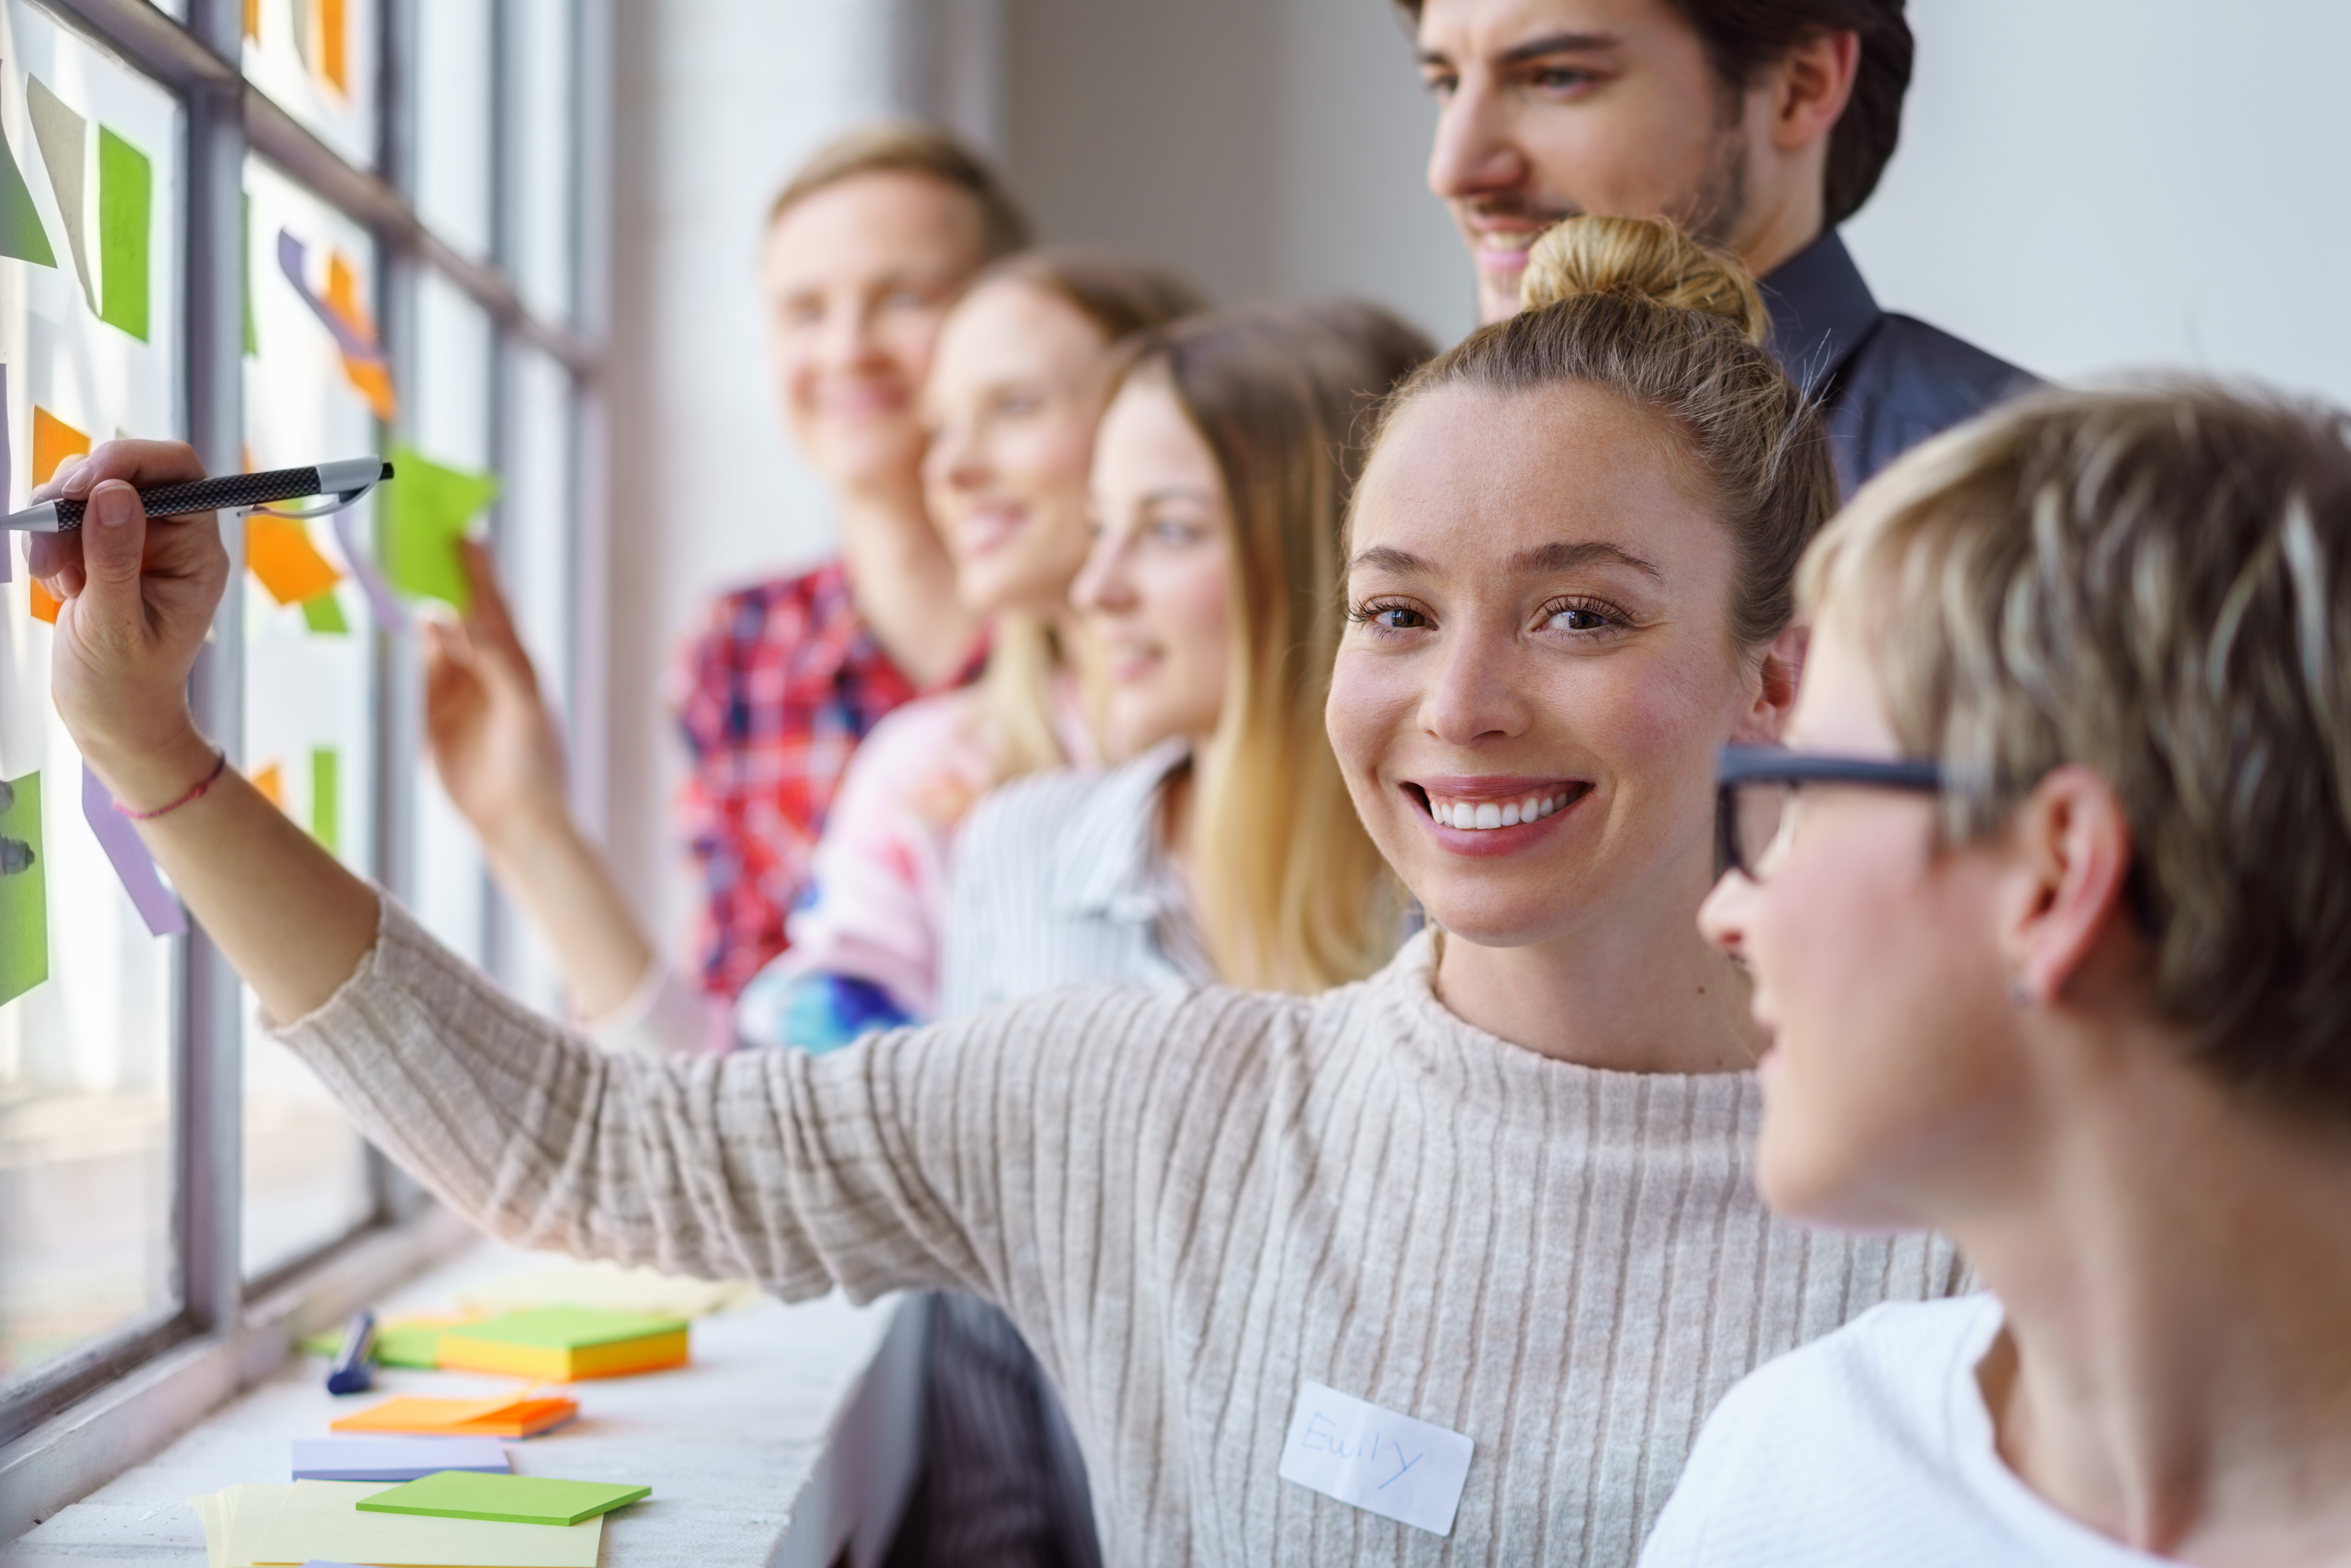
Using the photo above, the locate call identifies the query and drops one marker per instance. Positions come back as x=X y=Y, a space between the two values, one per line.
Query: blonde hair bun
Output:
x=1642 y=259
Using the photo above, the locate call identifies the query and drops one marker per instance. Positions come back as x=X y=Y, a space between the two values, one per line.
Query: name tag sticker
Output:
x=1384 y=1463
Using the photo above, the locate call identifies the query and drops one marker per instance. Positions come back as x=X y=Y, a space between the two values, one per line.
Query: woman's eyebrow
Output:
x=1388 y=559
x=1565 y=557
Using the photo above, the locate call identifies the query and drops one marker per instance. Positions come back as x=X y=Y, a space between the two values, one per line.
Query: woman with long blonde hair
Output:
x=1225 y=848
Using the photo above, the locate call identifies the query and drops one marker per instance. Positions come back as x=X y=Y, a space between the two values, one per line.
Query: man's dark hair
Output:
x=1745 y=36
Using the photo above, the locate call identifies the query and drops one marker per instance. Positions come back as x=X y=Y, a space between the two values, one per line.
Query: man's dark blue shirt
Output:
x=1888 y=382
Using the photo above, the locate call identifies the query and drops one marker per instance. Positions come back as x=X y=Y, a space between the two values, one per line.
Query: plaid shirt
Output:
x=774 y=695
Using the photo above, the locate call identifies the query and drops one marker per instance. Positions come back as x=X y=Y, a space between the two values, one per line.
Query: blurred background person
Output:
x=866 y=249
x=1226 y=849
x=1758 y=128
x=1016 y=387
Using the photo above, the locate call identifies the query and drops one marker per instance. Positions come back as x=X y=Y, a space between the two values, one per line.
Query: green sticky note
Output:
x=429 y=508
x=125 y=204
x=24 y=891
x=324 y=615
x=570 y=1328
x=326 y=797
x=511 y=1500
x=21 y=234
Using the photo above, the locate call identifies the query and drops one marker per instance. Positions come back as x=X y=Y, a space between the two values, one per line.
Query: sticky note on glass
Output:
x=24 y=889
x=278 y=551
x=394 y=1458
x=126 y=195
x=58 y=131
x=564 y=1343
x=516 y=1499
x=22 y=235
x=321 y=1519
x=326 y=799
x=324 y=615
x=135 y=868
x=429 y=508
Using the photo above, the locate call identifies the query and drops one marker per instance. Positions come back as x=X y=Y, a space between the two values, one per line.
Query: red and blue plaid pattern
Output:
x=774 y=694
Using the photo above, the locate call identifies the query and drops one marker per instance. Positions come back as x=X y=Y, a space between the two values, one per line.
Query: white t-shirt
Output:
x=1870 y=1445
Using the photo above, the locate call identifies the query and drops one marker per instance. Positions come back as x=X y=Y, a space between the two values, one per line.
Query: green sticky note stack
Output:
x=126 y=183
x=23 y=892
x=511 y=1500
x=429 y=508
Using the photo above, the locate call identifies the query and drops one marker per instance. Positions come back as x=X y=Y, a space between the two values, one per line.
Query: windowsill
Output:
x=795 y=1433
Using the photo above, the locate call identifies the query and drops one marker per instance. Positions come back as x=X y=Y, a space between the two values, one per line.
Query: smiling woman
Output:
x=1494 y=1197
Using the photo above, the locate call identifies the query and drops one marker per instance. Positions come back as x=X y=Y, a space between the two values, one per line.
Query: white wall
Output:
x=2085 y=185
x=1270 y=147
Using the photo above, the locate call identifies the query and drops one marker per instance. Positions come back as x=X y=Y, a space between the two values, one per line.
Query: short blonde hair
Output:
x=2155 y=582
x=911 y=147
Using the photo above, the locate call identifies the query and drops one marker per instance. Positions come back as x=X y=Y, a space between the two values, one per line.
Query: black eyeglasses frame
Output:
x=1741 y=765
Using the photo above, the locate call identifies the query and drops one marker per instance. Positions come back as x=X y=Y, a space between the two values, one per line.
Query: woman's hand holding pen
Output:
x=137 y=599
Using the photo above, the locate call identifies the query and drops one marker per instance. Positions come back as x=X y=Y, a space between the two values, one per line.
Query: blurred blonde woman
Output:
x=1226 y=849
x=1016 y=385
x=1499 y=1188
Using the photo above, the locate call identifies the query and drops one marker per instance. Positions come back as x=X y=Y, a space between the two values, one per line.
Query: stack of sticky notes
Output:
x=514 y=1500
x=311 y=1521
x=564 y=1345
x=394 y=1458
x=523 y=1416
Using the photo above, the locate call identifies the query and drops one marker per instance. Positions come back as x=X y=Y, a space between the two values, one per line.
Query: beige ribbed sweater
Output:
x=1190 y=1201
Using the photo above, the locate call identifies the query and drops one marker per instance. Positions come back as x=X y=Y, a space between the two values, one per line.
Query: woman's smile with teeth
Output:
x=1479 y=814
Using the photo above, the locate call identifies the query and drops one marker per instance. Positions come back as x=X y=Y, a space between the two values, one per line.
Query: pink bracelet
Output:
x=206 y=782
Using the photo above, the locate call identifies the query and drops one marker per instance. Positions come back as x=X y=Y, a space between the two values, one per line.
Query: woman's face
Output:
x=1157 y=591
x=1014 y=392
x=1538 y=628
x=1890 y=1060
x=857 y=278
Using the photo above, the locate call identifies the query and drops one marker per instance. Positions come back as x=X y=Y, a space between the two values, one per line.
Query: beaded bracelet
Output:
x=206 y=782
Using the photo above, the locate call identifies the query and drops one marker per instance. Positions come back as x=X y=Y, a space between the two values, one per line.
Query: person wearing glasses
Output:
x=1499 y=1187
x=2048 y=909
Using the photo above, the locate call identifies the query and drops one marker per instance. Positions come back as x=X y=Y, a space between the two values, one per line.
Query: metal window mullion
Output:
x=209 y=1062
x=499 y=947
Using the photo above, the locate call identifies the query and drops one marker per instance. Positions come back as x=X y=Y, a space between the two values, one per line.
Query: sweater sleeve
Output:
x=910 y=1160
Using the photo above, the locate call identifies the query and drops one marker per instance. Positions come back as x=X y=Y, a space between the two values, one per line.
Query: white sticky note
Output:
x=1387 y=1463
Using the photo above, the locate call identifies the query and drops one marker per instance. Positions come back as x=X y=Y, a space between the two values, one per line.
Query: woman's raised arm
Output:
x=139 y=597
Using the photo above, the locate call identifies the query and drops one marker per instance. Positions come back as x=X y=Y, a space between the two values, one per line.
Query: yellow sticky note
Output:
x=272 y=785
x=278 y=551
x=321 y=1519
x=54 y=441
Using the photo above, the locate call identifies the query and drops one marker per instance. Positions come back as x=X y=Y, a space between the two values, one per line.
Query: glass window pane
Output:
x=316 y=59
x=91 y=346
x=309 y=661
x=540 y=110
x=450 y=420
x=535 y=560
x=454 y=51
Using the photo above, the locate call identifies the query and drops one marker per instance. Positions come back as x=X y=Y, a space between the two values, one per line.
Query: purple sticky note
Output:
x=132 y=863
x=386 y=609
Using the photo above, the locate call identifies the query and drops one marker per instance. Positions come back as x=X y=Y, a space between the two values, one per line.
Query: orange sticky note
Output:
x=333 y=55
x=272 y=786
x=45 y=608
x=371 y=378
x=278 y=551
x=464 y=1417
x=54 y=441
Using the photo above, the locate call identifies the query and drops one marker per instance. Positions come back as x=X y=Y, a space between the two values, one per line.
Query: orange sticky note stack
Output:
x=511 y=1418
x=565 y=1344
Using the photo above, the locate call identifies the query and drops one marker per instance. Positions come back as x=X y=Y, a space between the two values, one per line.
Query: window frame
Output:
x=101 y=1407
